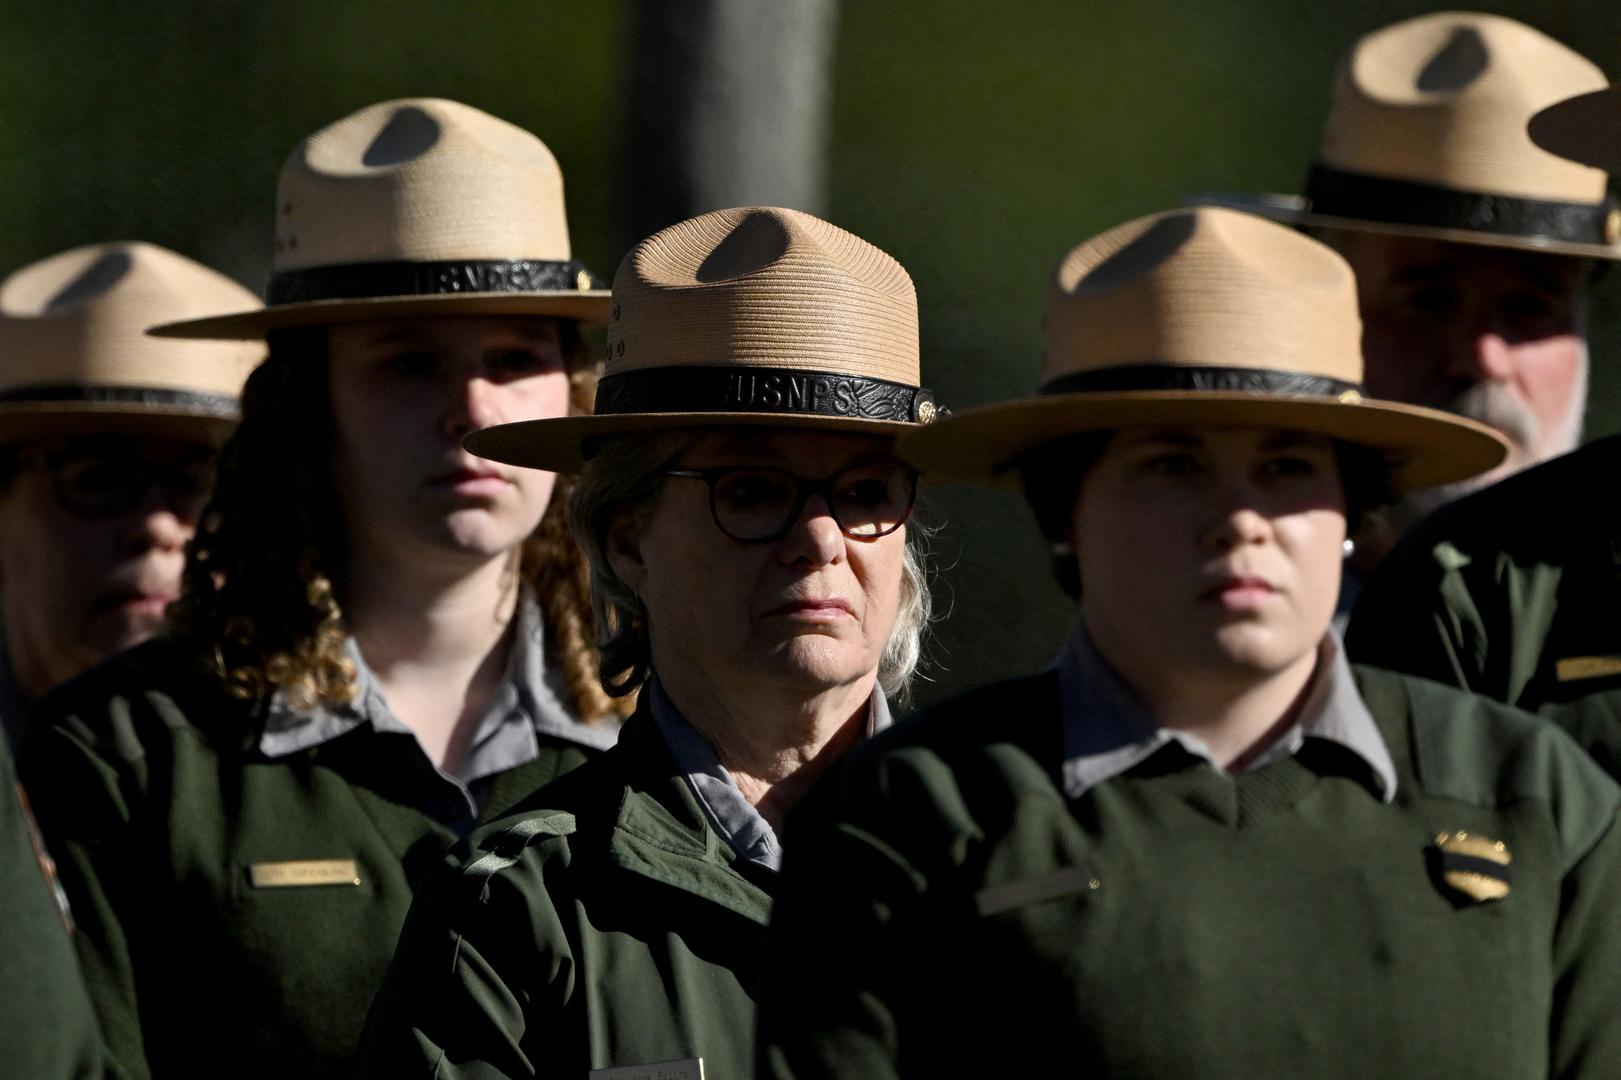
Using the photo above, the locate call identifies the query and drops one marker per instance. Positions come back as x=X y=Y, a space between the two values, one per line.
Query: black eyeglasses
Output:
x=753 y=505
x=106 y=481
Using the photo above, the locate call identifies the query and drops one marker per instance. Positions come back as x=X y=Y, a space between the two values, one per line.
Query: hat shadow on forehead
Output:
x=1461 y=61
x=755 y=243
x=409 y=134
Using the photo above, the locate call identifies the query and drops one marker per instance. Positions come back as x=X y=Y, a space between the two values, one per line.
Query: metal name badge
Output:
x=688 y=1069
x=1577 y=668
x=1069 y=881
x=1475 y=866
x=282 y=875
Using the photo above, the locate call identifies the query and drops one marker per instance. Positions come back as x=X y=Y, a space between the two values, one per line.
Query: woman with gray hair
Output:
x=745 y=517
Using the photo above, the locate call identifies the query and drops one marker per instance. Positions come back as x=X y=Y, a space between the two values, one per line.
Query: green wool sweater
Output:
x=945 y=909
x=210 y=944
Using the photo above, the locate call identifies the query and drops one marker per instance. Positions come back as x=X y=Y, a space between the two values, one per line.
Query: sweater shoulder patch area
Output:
x=1467 y=749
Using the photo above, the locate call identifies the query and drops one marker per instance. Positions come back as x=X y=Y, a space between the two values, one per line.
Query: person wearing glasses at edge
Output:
x=745 y=517
x=381 y=640
x=107 y=446
x=1513 y=592
x=1202 y=844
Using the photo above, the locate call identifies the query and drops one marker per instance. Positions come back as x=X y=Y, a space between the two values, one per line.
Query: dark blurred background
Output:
x=975 y=142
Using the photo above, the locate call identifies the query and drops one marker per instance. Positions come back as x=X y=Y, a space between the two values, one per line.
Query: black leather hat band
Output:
x=362 y=281
x=152 y=397
x=1336 y=193
x=782 y=391
x=1151 y=377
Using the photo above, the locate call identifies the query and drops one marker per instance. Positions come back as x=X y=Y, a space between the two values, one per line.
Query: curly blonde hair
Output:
x=260 y=596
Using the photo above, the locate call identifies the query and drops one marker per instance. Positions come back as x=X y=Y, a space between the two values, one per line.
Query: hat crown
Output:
x=419 y=180
x=1203 y=287
x=78 y=318
x=1443 y=99
x=763 y=287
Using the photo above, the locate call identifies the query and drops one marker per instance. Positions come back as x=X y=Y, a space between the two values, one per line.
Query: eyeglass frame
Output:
x=51 y=461
x=806 y=488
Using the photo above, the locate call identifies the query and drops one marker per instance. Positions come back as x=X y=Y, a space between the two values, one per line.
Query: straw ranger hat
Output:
x=416 y=207
x=1585 y=129
x=1203 y=317
x=752 y=317
x=1426 y=136
x=74 y=355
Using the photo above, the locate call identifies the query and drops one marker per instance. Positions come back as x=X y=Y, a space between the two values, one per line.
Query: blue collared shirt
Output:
x=1107 y=731
x=527 y=705
x=730 y=813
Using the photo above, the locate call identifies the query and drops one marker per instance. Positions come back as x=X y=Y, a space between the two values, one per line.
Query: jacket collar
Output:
x=661 y=833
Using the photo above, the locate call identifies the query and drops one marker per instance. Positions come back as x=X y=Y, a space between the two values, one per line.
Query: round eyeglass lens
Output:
x=872 y=500
x=754 y=504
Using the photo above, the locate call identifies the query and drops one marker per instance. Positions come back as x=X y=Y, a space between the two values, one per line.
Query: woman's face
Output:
x=404 y=395
x=810 y=611
x=1209 y=553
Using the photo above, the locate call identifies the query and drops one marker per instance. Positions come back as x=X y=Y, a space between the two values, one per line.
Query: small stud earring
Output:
x=1349 y=547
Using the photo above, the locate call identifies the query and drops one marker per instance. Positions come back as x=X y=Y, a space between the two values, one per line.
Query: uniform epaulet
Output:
x=503 y=849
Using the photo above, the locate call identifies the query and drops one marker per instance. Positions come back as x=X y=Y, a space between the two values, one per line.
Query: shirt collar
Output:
x=529 y=702
x=1107 y=731
x=729 y=812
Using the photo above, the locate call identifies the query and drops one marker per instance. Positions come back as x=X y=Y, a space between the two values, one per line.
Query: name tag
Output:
x=690 y=1069
x=283 y=875
x=1016 y=894
x=1577 y=668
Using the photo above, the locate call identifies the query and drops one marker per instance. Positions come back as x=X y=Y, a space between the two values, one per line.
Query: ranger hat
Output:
x=1205 y=317
x=752 y=317
x=416 y=207
x=74 y=355
x=1426 y=136
x=1586 y=128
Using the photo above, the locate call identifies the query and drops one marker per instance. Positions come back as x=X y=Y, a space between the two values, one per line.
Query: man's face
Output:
x=92 y=544
x=1490 y=333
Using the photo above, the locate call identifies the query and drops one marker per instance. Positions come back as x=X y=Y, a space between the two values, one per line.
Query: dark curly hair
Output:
x=264 y=573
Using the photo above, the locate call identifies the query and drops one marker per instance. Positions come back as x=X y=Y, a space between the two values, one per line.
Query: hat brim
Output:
x=981 y=446
x=1585 y=129
x=558 y=445
x=588 y=307
x=1294 y=210
x=27 y=421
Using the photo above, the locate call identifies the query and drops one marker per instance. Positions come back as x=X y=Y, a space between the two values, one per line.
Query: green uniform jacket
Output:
x=47 y=1027
x=158 y=806
x=606 y=924
x=946 y=910
x=1514 y=593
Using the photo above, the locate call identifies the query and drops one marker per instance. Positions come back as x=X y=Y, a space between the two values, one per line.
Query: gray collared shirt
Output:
x=527 y=705
x=1107 y=731
x=729 y=812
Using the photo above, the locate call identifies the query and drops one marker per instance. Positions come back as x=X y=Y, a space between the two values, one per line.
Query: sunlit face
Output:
x=80 y=584
x=404 y=395
x=1490 y=333
x=1209 y=554
x=809 y=611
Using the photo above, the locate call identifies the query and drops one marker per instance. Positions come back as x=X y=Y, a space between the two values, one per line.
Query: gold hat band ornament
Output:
x=1426 y=136
x=1202 y=317
x=1476 y=866
x=417 y=207
x=749 y=317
